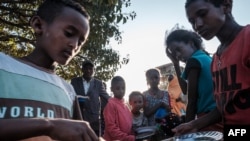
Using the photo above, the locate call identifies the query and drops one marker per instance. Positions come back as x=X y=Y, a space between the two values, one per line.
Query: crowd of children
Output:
x=48 y=106
x=150 y=109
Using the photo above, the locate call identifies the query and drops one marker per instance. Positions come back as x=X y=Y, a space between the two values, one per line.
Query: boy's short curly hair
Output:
x=50 y=9
x=116 y=79
x=216 y=3
x=135 y=93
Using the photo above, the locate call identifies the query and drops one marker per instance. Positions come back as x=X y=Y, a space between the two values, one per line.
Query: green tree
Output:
x=17 y=39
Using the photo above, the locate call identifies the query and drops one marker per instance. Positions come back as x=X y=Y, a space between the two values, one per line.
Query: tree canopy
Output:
x=17 y=39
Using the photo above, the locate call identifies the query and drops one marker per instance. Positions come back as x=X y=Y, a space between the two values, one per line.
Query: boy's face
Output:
x=118 y=89
x=136 y=103
x=205 y=18
x=62 y=39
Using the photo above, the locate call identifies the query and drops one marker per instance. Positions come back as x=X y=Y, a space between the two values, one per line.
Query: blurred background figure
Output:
x=117 y=115
x=97 y=96
x=178 y=101
x=136 y=102
x=157 y=102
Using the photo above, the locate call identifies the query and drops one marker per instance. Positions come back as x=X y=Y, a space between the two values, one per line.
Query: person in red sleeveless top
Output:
x=230 y=64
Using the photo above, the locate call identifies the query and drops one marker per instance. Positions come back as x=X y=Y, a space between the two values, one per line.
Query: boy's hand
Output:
x=72 y=130
x=184 y=129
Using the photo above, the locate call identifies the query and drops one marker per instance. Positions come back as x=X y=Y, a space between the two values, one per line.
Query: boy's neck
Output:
x=40 y=60
x=32 y=63
x=228 y=33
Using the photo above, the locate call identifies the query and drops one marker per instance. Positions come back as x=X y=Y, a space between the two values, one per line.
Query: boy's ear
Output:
x=37 y=23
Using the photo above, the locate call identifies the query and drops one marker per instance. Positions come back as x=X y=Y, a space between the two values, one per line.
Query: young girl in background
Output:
x=155 y=100
x=117 y=116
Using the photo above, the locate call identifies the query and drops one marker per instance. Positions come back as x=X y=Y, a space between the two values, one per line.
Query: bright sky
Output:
x=143 y=38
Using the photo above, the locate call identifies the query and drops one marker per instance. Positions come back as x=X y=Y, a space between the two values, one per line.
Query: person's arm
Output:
x=166 y=104
x=182 y=82
x=74 y=82
x=175 y=61
x=148 y=111
x=202 y=122
x=192 y=93
x=104 y=96
x=57 y=129
x=77 y=114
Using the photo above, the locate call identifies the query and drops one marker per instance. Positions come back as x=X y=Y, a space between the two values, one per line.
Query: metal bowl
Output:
x=145 y=132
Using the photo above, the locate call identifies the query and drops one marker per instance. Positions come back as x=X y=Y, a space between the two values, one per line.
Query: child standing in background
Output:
x=117 y=116
x=155 y=98
x=136 y=103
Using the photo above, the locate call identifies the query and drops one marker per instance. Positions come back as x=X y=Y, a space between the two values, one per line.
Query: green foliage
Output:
x=17 y=39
